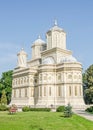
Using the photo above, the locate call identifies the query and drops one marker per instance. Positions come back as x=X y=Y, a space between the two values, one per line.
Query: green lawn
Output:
x=42 y=121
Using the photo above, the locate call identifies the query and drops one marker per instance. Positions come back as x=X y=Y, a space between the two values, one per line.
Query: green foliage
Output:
x=3 y=108
x=89 y=95
x=26 y=108
x=3 y=98
x=90 y=109
x=68 y=111
x=6 y=84
x=60 y=109
x=40 y=109
x=88 y=85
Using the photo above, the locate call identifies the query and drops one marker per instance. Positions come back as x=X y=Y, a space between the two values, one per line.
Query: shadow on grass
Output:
x=65 y=116
x=36 y=126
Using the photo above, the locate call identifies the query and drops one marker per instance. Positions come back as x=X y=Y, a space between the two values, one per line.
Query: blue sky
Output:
x=21 y=21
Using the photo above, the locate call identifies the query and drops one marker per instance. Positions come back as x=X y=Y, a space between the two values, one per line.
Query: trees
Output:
x=68 y=111
x=6 y=84
x=88 y=85
x=3 y=98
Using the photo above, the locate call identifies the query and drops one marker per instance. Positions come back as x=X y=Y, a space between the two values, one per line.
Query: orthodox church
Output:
x=52 y=77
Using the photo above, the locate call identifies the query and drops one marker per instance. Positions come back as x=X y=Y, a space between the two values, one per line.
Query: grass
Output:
x=42 y=121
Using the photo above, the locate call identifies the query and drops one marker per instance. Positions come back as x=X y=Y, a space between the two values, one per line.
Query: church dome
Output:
x=68 y=59
x=22 y=52
x=39 y=41
x=48 y=60
x=56 y=27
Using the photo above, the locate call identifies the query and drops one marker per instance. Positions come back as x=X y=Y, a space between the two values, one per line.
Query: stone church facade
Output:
x=52 y=77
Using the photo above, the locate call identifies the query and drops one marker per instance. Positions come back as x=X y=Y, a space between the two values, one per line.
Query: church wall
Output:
x=23 y=88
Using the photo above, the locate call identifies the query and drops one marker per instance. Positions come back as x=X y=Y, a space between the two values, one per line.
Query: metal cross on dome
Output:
x=55 y=23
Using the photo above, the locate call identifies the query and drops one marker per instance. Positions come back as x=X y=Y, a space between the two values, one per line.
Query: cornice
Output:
x=56 y=49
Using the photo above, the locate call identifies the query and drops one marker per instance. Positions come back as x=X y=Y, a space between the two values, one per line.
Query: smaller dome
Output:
x=39 y=40
x=22 y=52
x=56 y=27
x=48 y=60
x=68 y=59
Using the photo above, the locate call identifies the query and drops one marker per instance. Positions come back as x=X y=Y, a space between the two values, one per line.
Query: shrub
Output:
x=40 y=109
x=60 y=109
x=3 y=108
x=90 y=109
x=68 y=111
x=25 y=109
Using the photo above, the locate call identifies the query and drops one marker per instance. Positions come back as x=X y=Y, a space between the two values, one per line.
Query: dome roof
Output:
x=22 y=52
x=48 y=60
x=39 y=41
x=68 y=59
x=56 y=27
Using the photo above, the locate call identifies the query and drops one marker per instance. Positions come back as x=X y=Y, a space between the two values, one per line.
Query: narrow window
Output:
x=75 y=90
x=19 y=92
x=40 y=91
x=59 y=90
x=25 y=92
x=14 y=93
x=49 y=91
x=70 y=91
x=44 y=91
x=80 y=90
x=32 y=92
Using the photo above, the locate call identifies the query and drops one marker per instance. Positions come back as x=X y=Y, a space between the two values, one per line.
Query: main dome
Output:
x=48 y=60
x=68 y=59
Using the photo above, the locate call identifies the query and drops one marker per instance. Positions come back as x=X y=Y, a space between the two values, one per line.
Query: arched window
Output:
x=75 y=90
x=21 y=80
x=45 y=77
x=69 y=76
x=24 y=79
x=49 y=91
x=32 y=92
x=80 y=90
x=14 y=93
x=16 y=81
x=27 y=80
x=59 y=90
x=59 y=76
x=49 y=78
x=19 y=92
x=75 y=76
x=31 y=80
x=44 y=91
x=40 y=91
x=25 y=92
x=79 y=76
x=40 y=77
x=70 y=92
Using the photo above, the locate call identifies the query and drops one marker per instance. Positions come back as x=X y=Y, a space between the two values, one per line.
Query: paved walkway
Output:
x=84 y=114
